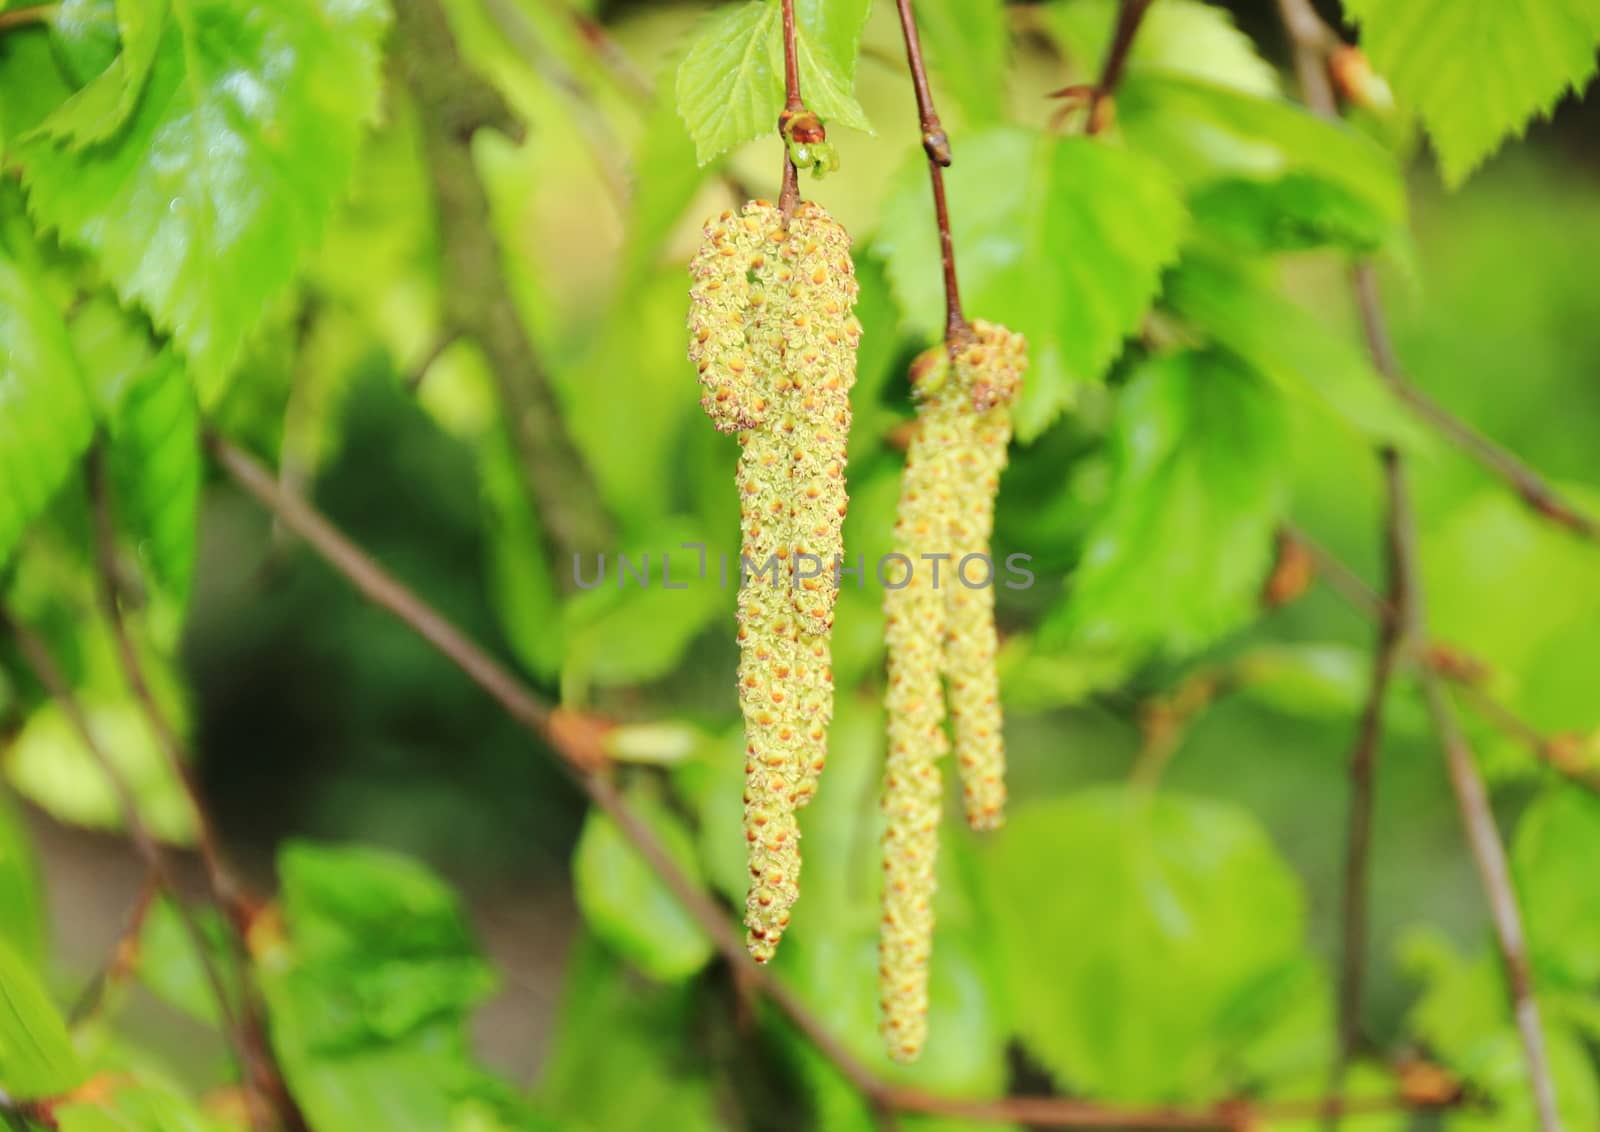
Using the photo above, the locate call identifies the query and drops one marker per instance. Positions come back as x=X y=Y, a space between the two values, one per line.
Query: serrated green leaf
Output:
x=627 y=904
x=969 y=45
x=834 y=26
x=1478 y=70
x=1197 y=922
x=99 y=109
x=45 y=415
x=216 y=190
x=1180 y=37
x=1062 y=239
x=730 y=84
x=155 y=467
x=1181 y=550
x=1307 y=361
x=36 y=1056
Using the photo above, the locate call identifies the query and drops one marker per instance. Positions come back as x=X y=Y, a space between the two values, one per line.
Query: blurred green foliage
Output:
x=216 y=214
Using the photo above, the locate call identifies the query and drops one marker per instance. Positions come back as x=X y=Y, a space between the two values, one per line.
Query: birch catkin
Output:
x=774 y=340
x=942 y=627
x=989 y=372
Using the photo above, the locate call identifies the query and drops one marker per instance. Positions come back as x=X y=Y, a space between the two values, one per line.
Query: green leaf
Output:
x=36 y=1057
x=1062 y=239
x=1478 y=70
x=379 y=945
x=1299 y=354
x=156 y=469
x=49 y=765
x=1197 y=933
x=1275 y=176
x=22 y=909
x=210 y=198
x=45 y=415
x=100 y=109
x=969 y=44
x=730 y=84
x=1555 y=845
x=622 y=1053
x=834 y=26
x=1178 y=37
x=627 y=904
x=1185 y=542
x=169 y=965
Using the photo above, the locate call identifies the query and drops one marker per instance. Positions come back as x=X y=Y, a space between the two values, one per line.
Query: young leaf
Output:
x=1064 y=238
x=968 y=44
x=730 y=84
x=1555 y=839
x=22 y=910
x=36 y=1056
x=45 y=415
x=625 y=902
x=1181 y=37
x=208 y=200
x=1478 y=70
x=99 y=109
x=1198 y=922
x=1182 y=548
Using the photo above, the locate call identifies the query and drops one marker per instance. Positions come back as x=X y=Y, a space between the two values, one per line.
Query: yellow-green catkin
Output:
x=988 y=373
x=941 y=624
x=914 y=700
x=774 y=339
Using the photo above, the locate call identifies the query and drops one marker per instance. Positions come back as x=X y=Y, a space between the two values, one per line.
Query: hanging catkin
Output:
x=773 y=337
x=989 y=372
x=941 y=624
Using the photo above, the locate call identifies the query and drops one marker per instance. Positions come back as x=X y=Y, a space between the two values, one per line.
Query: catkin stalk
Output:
x=774 y=340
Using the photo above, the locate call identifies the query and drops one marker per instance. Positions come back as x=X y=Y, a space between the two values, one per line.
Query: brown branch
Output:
x=1102 y=97
x=575 y=741
x=37 y=653
x=936 y=144
x=789 y=195
x=1407 y=606
x=23 y=17
x=453 y=103
x=124 y=957
x=227 y=894
x=1392 y=628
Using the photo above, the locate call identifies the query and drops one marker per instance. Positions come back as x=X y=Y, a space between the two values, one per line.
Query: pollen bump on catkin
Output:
x=772 y=335
x=986 y=379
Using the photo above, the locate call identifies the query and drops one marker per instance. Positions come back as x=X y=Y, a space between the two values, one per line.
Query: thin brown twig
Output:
x=32 y=14
x=39 y=658
x=936 y=144
x=1130 y=14
x=454 y=102
x=574 y=743
x=789 y=195
x=227 y=894
x=124 y=957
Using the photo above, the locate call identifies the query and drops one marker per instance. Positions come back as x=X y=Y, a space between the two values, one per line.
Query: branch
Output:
x=1102 y=99
x=936 y=144
x=37 y=653
x=225 y=890
x=453 y=103
x=1407 y=607
x=33 y=14
x=793 y=104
